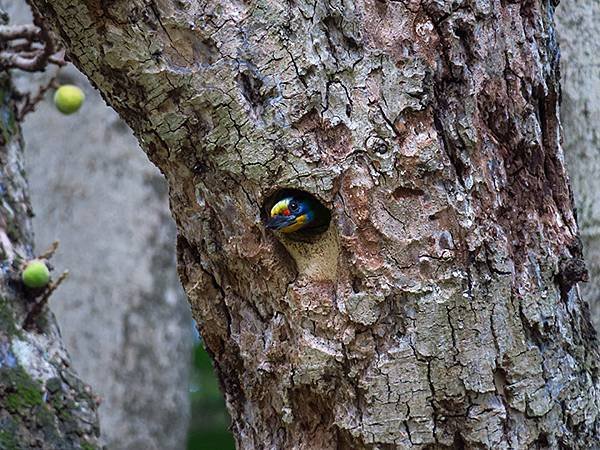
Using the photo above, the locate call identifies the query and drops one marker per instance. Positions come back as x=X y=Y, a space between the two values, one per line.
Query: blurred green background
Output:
x=209 y=424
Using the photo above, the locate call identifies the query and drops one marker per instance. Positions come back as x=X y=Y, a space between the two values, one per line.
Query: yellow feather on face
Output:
x=296 y=225
x=279 y=207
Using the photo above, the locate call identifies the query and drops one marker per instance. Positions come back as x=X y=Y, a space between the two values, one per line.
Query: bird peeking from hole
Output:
x=296 y=213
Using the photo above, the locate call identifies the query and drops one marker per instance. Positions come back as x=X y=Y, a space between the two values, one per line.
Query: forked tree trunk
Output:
x=440 y=307
x=43 y=405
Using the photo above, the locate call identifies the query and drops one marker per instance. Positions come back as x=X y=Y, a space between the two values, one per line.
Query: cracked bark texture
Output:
x=440 y=309
x=577 y=20
x=43 y=404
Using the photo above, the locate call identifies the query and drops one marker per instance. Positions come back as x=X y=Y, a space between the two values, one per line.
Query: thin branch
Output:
x=31 y=102
x=50 y=251
x=38 y=306
x=49 y=48
x=13 y=32
x=25 y=46
x=27 y=56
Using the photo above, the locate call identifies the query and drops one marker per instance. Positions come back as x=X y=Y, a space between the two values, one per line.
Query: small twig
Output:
x=24 y=55
x=25 y=46
x=41 y=60
x=38 y=306
x=30 y=102
x=50 y=251
x=10 y=33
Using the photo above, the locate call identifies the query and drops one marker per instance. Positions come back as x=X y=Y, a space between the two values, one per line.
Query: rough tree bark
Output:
x=440 y=308
x=43 y=405
x=577 y=22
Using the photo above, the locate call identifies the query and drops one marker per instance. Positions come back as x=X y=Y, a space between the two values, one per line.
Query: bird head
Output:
x=291 y=214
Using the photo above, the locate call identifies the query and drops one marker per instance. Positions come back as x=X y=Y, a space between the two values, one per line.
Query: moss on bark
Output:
x=42 y=404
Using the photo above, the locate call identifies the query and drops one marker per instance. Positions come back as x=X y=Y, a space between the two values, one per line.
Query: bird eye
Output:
x=294 y=206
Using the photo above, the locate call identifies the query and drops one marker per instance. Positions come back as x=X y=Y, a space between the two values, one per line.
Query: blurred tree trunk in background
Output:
x=578 y=30
x=122 y=312
x=130 y=331
x=440 y=308
x=43 y=404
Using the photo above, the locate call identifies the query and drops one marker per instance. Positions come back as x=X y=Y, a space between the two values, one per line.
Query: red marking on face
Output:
x=286 y=212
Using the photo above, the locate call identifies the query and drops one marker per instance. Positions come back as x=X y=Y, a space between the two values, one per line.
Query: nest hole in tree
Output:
x=313 y=231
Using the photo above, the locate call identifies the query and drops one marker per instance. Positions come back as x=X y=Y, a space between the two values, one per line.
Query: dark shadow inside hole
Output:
x=308 y=202
x=356 y=285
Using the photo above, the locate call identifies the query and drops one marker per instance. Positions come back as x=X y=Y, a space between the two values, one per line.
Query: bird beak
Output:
x=280 y=221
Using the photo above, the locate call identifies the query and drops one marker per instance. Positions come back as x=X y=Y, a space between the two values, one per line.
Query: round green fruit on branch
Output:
x=68 y=98
x=36 y=274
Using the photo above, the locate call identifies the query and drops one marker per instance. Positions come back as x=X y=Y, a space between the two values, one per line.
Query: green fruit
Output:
x=68 y=98
x=36 y=274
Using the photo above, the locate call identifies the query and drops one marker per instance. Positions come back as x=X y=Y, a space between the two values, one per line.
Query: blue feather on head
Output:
x=292 y=214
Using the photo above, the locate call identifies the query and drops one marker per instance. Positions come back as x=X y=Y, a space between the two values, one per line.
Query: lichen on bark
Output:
x=440 y=309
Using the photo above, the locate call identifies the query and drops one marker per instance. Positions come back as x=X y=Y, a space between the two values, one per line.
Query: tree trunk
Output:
x=43 y=405
x=440 y=307
x=123 y=315
x=580 y=115
x=124 y=318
